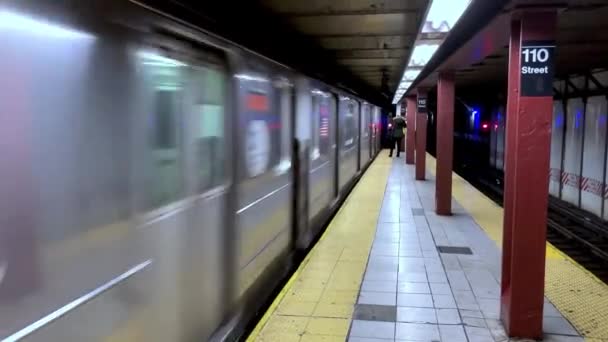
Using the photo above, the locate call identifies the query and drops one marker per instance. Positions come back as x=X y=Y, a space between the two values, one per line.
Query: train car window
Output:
x=285 y=91
x=262 y=124
x=322 y=111
x=349 y=128
x=208 y=132
x=164 y=82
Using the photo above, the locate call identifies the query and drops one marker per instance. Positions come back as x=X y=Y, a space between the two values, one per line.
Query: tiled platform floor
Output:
x=415 y=289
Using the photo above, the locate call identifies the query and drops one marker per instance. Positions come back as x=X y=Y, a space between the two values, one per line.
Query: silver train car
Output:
x=155 y=180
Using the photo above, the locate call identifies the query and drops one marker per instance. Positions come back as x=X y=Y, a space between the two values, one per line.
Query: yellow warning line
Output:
x=317 y=302
x=580 y=296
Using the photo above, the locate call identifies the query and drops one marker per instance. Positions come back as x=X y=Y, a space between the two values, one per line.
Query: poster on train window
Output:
x=258 y=139
x=257 y=153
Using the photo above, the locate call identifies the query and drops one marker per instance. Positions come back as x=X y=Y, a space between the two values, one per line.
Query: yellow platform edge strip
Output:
x=373 y=184
x=581 y=297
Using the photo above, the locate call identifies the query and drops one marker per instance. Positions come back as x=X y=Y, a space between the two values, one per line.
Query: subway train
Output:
x=156 y=180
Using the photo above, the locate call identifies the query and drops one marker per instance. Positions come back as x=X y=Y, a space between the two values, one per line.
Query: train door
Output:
x=265 y=191
x=321 y=163
x=359 y=136
x=335 y=142
x=185 y=190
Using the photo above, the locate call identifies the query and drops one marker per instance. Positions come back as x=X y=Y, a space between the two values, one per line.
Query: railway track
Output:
x=576 y=233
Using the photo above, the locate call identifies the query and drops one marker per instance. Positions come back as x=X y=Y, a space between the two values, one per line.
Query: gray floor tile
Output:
x=417 y=332
x=386 y=245
x=474 y=322
x=379 y=286
x=471 y=313
x=550 y=311
x=465 y=300
x=407 y=252
x=384 y=252
x=437 y=277
x=558 y=325
x=387 y=227
x=416 y=315
x=372 y=329
x=490 y=308
x=444 y=302
x=367 y=339
x=378 y=298
x=440 y=289
x=452 y=333
x=448 y=316
x=487 y=292
x=458 y=280
x=410 y=287
x=434 y=268
x=417 y=212
x=414 y=300
x=387 y=238
x=381 y=267
x=497 y=329
x=412 y=268
x=417 y=277
x=367 y=312
x=380 y=275
x=477 y=338
x=475 y=331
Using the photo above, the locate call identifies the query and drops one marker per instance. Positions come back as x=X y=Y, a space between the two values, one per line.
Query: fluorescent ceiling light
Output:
x=443 y=15
x=410 y=75
x=422 y=54
x=404 y=85
x=10 y=21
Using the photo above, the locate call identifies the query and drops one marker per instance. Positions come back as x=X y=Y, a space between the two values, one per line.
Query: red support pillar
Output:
x=530 y=108
x=421 y=135
x=512 y=97
x=445 y=137
x=410 y=118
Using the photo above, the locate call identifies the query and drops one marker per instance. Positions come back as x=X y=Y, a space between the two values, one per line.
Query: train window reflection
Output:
x=322 y=108
x=349 y=128
x=285 y=104
x=163 y=174
x=208 y=137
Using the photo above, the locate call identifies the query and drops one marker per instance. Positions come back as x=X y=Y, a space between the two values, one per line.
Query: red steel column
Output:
x=421 y=135
x=527 y=183
x=512 y=99
x=410 y=118
x=445 y=137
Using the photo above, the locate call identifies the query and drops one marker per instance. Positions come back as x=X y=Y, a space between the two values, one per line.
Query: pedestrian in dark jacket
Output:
x=398 y=124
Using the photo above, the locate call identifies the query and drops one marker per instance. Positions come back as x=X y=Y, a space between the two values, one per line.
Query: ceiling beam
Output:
x=347 y=12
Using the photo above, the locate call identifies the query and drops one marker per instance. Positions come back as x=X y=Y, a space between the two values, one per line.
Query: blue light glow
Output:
x=578 y=118
x=559 y=120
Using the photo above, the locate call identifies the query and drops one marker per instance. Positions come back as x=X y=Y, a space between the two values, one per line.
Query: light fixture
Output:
x=443 y=15
x=10 y=21
x=422 y=54
x=440 y=18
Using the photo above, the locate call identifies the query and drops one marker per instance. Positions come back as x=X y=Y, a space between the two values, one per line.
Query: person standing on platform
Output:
x=398 y=124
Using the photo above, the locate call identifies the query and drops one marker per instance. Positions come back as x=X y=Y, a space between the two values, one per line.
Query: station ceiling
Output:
x=581 y=45
x=372 y=39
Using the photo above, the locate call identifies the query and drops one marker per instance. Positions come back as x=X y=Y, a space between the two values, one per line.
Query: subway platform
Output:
x=389 y=269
